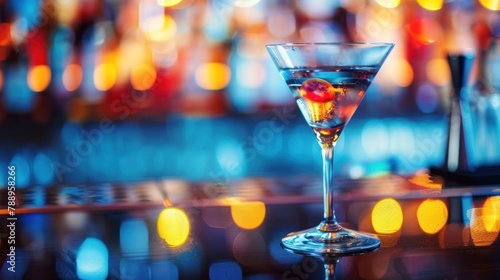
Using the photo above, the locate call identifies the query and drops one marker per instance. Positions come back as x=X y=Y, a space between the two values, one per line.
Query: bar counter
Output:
x=173 y=229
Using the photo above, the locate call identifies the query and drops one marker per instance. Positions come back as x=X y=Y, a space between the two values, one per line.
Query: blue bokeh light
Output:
x=92 y=260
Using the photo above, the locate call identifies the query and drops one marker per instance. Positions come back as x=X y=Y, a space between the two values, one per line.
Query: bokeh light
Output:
x=104 y=76
x=387 y=216
x=404 y=77
x=72 y=77
x=173 y=226
x=493 y=5
x=432 y=215
x=388 y=3
x=479 y=221
x=282 y=25
x=245 y=3
x=143 y=76
x=437 y=71
x=39 y=77
x=425 y=30
x=168 y=3
x=161 y=28
x=212 y=75
x=92 y=260
x=427 y=98
x=248 y=214
x=431 y=5
x=491 y=211
x=425 y=180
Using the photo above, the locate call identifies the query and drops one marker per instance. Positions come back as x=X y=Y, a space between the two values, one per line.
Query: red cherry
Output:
x=317 y=90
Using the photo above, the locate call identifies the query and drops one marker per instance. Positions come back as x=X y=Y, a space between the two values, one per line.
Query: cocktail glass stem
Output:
x=330 y=269
x=329 y=222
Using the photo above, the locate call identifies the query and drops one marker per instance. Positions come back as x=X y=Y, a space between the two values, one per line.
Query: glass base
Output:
x=337 y=241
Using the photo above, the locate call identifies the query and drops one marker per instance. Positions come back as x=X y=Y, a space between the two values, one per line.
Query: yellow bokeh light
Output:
x=438 y=71
x=173 y=226
x=387 y=216
x=212 y=76
x=491 y=212
x=493 y=5
x=160 y=28
x=432 y=215
x=479 y=221
x=431 y=5
x=404 y=77
x=168 y=3
x=39 y=77
x=72 y=77
x=389 y=3
x=104 y=76
x=143 y=76
x=248 y=214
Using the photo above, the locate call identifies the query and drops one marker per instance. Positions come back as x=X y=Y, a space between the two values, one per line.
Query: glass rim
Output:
x=292 y=44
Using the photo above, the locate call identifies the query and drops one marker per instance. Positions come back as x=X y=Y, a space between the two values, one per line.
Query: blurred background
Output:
x=108 y=90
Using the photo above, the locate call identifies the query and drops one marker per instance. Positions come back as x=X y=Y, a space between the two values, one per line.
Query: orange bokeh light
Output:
x=143 y=76
x=432 y=215
x=39 y=77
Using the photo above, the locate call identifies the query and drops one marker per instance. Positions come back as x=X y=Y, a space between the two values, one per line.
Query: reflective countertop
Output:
x=173 y=229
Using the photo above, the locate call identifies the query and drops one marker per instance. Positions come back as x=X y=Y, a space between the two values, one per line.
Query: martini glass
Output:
x=328 y=81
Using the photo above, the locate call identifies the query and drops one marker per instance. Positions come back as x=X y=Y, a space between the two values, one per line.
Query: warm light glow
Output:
x=248 y=214
x=143 y=76
x=1 y=79
x=432 y=215
x=389 y=3
x=168 y=3
x=104 y=76
x=425 y=180
x=387 y=216
x=478 y=228
x=39 y=78
x=425 y=30
x=159 y=28
x=405 y=73
x=438 y=72
x=431 y=5
x=173 y=226
x=493 y=5
x=246 y=3
x=5 y=39
x=72 y=77
x=212 y=76
x=491 y=211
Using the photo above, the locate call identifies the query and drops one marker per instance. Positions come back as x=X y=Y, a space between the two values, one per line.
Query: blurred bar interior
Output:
x=106 y=90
